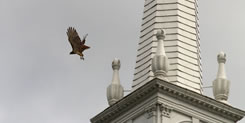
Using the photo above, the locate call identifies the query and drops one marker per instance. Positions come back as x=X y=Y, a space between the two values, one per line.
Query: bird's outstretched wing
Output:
x=84 y=39
x=73 y=38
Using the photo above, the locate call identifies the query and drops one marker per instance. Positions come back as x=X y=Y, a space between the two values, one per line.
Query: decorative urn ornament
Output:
x=115 y=89
x=221 y=85
x=160 y=60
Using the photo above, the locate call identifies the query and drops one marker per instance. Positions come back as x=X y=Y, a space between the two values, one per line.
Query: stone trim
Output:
x=151 y=111
x=166 y=110
x=159 y=86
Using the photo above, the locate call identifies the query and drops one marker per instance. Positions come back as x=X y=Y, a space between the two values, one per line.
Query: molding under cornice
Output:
x=166 y=88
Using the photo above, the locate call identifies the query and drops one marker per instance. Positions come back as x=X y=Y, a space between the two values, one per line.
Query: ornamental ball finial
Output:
x=161 y=34
x=115 y=89
x=221 y=85
x=221 y=57
x=116 y=64
x=160 y=59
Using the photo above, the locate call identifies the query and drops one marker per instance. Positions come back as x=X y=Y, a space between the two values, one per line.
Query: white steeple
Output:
x=182 y=43
x=221 y=85
x=167 y=85
x=115 y=89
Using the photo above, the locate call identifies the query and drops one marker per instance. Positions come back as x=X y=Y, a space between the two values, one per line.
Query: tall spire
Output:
x=221 y=85
x=182 y=43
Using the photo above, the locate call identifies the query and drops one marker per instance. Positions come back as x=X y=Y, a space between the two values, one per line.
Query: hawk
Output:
x=77 y=45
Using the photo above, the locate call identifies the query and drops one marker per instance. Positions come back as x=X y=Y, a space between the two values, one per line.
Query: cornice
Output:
x=159 y=86
x=201 y=101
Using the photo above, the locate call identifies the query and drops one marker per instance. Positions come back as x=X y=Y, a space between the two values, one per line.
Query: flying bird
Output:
x=77 y=45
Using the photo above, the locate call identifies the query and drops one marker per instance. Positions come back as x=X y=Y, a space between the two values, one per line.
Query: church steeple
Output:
x=182 y=43
x=167 y=85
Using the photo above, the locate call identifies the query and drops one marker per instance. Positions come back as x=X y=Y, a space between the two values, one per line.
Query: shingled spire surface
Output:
x=182 y=43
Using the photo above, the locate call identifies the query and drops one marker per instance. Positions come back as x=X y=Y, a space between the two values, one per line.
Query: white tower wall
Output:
x=182 y=43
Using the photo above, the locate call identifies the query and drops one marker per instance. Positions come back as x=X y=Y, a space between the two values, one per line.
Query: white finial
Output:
x=116 y=66
x=221 y=60
x=160 y=60
x=161 y=34
x=160 y=47
x=115 y=89
x=221 y=85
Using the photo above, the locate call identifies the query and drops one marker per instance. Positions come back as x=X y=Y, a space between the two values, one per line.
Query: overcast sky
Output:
x=41 y=83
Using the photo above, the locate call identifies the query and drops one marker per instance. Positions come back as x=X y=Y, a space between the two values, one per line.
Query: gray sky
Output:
x=41 y=83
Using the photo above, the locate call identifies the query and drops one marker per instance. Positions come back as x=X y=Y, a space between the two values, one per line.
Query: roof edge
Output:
x=157 y=85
